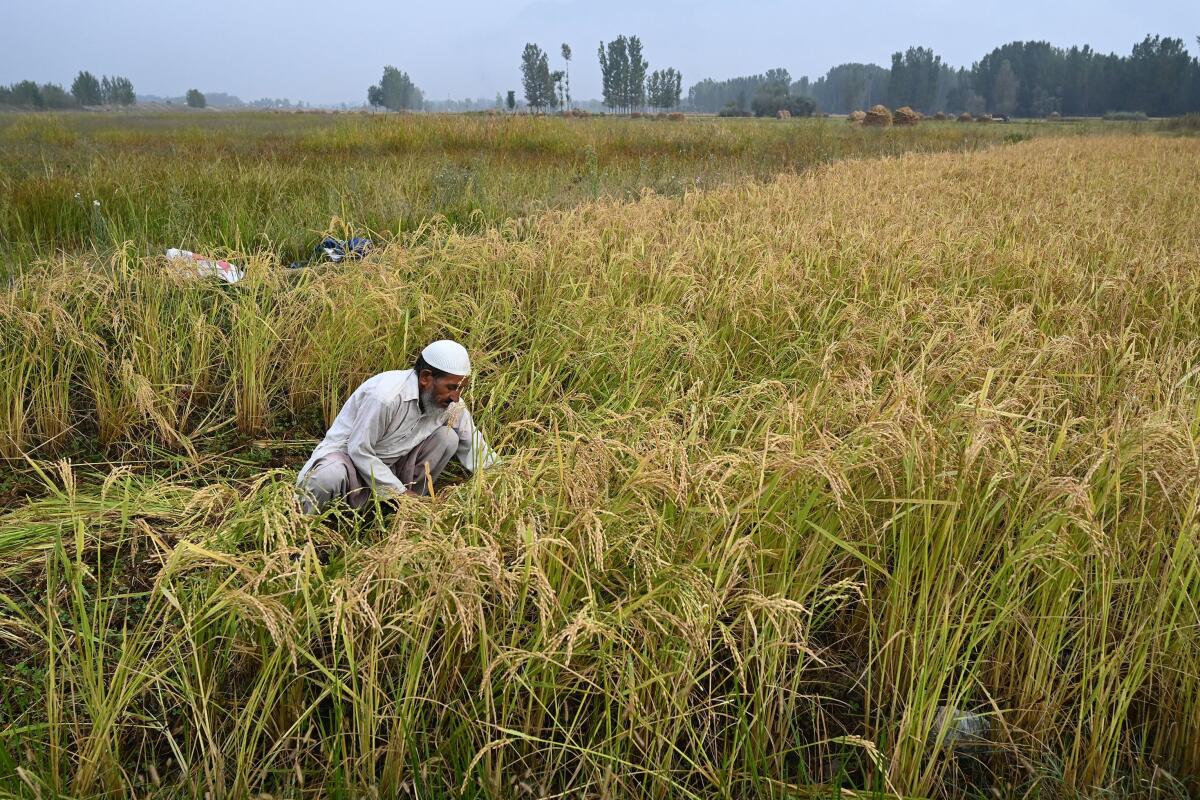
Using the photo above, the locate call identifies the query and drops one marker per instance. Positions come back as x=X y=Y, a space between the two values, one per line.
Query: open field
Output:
x=275 y=182
x=790 y=466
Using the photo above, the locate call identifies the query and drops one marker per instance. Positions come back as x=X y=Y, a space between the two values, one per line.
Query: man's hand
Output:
x=395 y=500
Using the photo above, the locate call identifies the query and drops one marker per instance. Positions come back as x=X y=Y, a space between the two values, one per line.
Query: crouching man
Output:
x=396 y=433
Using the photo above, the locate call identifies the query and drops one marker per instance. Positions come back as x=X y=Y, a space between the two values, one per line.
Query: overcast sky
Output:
x=329 y=52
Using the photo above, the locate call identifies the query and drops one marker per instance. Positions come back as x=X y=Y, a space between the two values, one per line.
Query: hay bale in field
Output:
x=878 y=117
x=856 y=117
x=783 y=113
x=966 y=117
x=636 y=115
x=1054 y=116
x=940 y=116
x=676 y=116
x=984 y=118
x=906 y=116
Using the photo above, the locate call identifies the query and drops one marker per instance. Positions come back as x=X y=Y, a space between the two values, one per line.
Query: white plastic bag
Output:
x=206 y=267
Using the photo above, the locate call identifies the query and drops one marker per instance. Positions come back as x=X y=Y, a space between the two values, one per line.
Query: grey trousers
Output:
x=335 y=477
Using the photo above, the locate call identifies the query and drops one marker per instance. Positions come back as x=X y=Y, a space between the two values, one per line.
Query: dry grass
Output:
x=789 y=468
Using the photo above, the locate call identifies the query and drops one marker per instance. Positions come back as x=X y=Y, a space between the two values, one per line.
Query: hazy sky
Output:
x=329 y=52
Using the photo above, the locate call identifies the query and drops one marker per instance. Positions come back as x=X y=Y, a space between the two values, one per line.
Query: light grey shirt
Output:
x=382 y=421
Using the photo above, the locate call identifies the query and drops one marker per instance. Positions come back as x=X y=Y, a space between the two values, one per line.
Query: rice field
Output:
x=275 y=183
x=879 y=478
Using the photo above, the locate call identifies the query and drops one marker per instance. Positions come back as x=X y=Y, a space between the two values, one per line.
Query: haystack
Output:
x=856 y=117
x=878 y=117
x=1054 y=116
x=676 y=116
x=906 y=116
x=966 y=117
x=940 y=116
x=984 y=118
x=783 y=113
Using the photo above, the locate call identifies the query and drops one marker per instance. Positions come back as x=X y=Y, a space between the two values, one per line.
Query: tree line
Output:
x=624 y=75
x=763 y=95
x=626 y=84
x=1026 y=79
x=86 y=90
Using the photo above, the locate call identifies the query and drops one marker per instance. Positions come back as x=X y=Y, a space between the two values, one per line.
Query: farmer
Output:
x=396 y=433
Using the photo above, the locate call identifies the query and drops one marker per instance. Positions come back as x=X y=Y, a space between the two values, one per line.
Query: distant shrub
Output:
x=731 y=111
x=1126 y=116
x=55 y=96
x=966 y=117
x=1054 y=116
x=676 y=116
x=769 y=104
x=1188 y=123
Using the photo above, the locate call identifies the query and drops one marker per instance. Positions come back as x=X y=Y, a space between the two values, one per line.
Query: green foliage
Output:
x=566 y=57
x=395 y=91
x=25 y=94
x=55 y=97
x=537 y=79
x=1025 y=79
x=664 y=87
x=623 y=73
x=914 y=79
x=735 y=93
x=510 y=100
x=846 y=88
x=772 y=96
x=1004 y=93
x=86 y=88
x=28 y=95
x=117 y=91
x=196 y=99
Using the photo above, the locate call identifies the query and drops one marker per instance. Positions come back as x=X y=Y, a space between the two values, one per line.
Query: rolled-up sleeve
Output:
x=372 y=420
x=473 y=451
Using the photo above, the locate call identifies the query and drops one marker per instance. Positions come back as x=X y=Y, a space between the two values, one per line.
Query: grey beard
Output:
x=428 y=405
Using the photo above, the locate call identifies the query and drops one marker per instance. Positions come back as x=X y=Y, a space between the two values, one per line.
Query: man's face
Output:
x=439 y=393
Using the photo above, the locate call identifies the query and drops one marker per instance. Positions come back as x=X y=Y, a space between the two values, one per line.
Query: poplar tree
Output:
x=635 y=81
x=566 y=54
x=536 y=78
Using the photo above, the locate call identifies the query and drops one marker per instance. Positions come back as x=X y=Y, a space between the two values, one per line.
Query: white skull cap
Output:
x=448 y=356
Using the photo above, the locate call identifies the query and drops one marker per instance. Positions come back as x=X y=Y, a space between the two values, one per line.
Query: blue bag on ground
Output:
x=336 y=250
